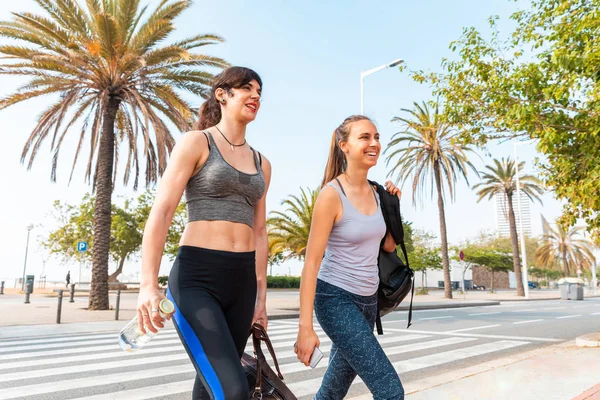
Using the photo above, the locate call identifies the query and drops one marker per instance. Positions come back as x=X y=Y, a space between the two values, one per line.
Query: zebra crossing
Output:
x=92 y=366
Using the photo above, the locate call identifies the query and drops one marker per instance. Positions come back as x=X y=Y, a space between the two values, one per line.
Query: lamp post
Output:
x=29 y=228
x=364 y=74
x=524 y=273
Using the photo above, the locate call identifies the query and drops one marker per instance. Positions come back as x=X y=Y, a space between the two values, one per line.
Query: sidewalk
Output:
x=559 y=372
x=281 y=303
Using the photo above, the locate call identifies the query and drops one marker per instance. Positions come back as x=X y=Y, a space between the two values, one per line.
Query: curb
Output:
x=590 y=340
x=591 y=394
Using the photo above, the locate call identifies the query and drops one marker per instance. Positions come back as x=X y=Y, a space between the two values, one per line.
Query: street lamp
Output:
x=364 y=74
x=524 y=274
x=29 y=228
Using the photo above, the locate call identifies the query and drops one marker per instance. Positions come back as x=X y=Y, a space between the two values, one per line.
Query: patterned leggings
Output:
x=348 y=320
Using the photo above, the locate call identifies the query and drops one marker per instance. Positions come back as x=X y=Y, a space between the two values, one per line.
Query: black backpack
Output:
x=396 y=278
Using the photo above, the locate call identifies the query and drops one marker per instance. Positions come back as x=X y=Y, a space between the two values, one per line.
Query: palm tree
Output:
x=565 y=247
x=288 y=231
x=114 y=84
x=428 y=150
x=500 y=179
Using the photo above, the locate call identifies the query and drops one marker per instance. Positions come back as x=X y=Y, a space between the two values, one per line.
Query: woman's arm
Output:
x=261 y=242
x=326 y=210
x=182 y=164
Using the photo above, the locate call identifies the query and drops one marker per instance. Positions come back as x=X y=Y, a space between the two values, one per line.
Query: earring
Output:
x=223 y=101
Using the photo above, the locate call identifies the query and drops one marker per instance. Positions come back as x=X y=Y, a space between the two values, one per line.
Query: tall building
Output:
x=501 y=211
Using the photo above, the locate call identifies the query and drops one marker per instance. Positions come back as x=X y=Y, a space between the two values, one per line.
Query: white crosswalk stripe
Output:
x=94 y=364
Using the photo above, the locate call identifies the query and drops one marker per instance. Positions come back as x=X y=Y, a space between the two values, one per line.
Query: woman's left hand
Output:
x=393 y=189
x=260 y=315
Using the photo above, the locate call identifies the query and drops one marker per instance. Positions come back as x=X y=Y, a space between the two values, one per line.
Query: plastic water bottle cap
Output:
x=166 y=306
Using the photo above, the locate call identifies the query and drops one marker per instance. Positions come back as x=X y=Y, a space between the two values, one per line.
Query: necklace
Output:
x=230 y=144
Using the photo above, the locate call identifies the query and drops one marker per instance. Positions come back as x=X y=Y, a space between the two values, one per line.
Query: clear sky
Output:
x=309 y=55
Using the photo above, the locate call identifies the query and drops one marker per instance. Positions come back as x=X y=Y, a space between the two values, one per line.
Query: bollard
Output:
x=27 y=297
x=2 y=287
x=72 y=293
x=117 y=304
x=59 y=309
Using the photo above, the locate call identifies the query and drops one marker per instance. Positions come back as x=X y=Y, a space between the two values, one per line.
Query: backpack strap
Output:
x=341 y=187
x=378 y=324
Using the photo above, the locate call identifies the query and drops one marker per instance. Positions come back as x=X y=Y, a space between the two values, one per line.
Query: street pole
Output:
x=364 y=74
x=524 y=277
x=29 y=228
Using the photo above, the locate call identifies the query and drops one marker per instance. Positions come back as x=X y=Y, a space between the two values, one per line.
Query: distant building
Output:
x=501 y=211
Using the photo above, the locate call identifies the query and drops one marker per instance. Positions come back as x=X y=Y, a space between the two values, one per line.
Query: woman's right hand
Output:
x=147 y=310
x=305 y=344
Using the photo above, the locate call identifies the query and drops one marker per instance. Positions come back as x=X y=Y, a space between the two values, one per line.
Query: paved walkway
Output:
x=281 y=303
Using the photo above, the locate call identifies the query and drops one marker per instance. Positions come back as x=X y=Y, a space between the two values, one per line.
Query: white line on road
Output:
x=429 y=318
x=554 y=308
x=310 y=386
x=527 y=322
x=485 y=313
x=534 y=339
x=475 y=328
x=531 y=309
x=596 y=313
x=569 y=316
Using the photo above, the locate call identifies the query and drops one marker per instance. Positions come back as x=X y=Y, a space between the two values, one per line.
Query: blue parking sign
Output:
x=81 y=246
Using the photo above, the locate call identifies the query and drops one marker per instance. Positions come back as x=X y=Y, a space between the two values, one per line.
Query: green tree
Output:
x=423 y=254
x=105 y=63
x=488 y=257
x=288 y=231
x=542 y=81
x=501 y=179
x=127 y=228
x=426 y=149
x=566 y=247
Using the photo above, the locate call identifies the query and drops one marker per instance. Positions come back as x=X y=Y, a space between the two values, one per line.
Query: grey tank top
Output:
x=350 y=260
x=219 y=192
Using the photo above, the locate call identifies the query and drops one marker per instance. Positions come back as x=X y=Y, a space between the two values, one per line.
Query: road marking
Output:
x=310 y=386
x=527 y=322
x=485 y=313
x=475 y=328
x=429 y=318
x=531 y=309
x=596 y=313
x=554 y=308
x=533 y=339
x=569 y=316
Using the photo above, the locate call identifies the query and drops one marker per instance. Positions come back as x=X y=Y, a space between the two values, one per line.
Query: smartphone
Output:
x=315 y=357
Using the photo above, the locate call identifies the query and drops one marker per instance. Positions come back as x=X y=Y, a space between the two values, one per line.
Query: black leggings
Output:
x=214 y=294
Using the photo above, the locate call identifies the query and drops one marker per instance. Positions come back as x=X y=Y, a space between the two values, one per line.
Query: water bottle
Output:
x=131 y=337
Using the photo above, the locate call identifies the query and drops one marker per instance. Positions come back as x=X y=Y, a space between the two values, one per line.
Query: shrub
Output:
x=283 y=282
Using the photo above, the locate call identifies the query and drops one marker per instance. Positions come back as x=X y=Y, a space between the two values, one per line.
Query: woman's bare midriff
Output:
x=218 y=235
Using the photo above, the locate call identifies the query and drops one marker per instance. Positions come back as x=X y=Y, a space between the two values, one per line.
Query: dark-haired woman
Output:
x=340 y=275
x=218 y=279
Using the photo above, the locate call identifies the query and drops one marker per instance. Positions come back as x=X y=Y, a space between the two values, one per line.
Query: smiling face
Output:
x=362 y=146
x=242 y=103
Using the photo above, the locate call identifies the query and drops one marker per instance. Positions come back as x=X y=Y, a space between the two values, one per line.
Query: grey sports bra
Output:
x=219 y=192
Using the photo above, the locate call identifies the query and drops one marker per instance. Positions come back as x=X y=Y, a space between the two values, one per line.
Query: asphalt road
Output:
x=92 y=367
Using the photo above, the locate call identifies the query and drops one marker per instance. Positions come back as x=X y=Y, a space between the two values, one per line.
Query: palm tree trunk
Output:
x=443 y=234
x=492 y=283
x=103 y=186
x=565 y=263
x=514 y=239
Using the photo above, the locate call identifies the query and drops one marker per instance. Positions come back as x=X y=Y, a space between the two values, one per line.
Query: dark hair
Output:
x=231 y=78
x=337 y=163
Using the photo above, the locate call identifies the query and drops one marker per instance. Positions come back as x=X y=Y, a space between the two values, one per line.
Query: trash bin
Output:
x=571 y=288
x=29 y=279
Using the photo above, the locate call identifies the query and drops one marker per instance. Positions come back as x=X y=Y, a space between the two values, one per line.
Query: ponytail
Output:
x=337 y=163
x=210 y=114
